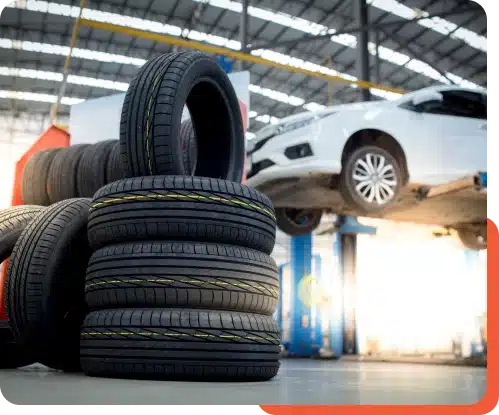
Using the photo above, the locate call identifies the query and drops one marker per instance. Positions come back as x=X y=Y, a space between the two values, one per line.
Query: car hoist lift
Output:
x=302 y=327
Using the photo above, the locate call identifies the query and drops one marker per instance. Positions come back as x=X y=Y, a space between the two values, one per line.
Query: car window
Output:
x=459 y=104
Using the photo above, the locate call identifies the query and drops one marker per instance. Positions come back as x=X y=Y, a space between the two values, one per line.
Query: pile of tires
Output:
x=57 y=174
x=165 y=272
x=181 y=283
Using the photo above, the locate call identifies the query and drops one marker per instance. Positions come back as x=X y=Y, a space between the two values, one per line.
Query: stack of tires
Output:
x=181 y=284
x=57 y=174
x=165 y=273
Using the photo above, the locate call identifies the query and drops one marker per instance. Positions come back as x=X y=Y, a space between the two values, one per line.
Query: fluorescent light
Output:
x=95 y=82
x=64 y=10
x=277 y=95
x=348 y=40
x=314 y=106
x=436 y=24
x=58 y=77
x=32 y=96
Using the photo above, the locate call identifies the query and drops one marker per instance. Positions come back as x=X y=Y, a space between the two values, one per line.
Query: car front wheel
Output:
x=370 y=180
x=296 y=222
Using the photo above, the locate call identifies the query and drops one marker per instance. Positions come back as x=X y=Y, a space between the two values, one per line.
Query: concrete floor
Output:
x=298 y=382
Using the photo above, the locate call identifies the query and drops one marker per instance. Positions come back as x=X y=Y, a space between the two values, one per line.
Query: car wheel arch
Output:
x=379 y=138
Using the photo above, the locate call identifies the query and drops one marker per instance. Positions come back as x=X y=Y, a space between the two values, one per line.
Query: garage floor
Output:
x=298 y=382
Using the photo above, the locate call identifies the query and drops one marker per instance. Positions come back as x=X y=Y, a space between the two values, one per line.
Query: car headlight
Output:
x=294 y=125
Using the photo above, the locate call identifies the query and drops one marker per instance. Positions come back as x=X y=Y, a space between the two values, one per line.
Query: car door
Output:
x=455 y=129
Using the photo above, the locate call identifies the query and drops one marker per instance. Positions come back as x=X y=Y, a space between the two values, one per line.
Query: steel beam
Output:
x=62 y=89
x=406 y=45
x=216 y=50
x=377 y=60
x=363 y=72
x=358 y=28
x=243 y=31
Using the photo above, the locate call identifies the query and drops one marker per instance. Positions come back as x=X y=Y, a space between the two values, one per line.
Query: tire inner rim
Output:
x=374 y=179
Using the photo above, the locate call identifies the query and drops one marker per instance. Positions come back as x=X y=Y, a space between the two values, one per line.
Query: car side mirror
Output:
x=426 y=98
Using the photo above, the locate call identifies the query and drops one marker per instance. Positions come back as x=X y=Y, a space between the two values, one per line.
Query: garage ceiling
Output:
x=415 y=50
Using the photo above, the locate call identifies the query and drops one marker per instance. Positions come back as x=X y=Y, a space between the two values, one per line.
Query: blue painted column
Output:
x=337 y=310
x=318 y=309
x=300 y=342
x=346 y=250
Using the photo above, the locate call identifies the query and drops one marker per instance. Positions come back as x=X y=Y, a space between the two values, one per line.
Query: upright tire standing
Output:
x=35 y=176
x=92 y=168
x=152 y=111
x=13 y=221
x=62 y=182
x=44 y=287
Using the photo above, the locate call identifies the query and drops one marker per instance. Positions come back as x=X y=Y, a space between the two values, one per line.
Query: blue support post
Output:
x=346 y=249
x=317 y=310
x=336 y=318
x=300 y=342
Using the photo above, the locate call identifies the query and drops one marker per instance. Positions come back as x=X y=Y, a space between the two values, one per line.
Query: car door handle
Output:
x=483 y=127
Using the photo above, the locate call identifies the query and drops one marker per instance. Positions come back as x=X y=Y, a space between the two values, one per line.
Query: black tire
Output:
x=182 y=274
x=34 y=180
x=181 y=208
x=348 y=184
x=152 y=111
x=296 y=222
x=114 y=169
x=12 y=222
x=45 y=284
x=189 y=146
x=473 y=238
x=92 y=168
x=180 y=344
x=62 y=177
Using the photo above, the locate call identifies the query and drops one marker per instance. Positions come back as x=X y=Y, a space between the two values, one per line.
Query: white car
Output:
x=377 y=159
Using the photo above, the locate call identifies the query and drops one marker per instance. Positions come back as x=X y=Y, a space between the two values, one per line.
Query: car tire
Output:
x=368 y=198
x=63 y=175
x=13 y=220
x=181 y=208
x=180 y=344
x=297 y=222
x=114 y=170
x=474 y=239
x=45 y=284
x=35 y=175
x=152 y=111
x=182 y=274
x=189 y=146
x=92 y=168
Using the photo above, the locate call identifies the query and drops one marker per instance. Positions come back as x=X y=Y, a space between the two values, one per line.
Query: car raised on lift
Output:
x=379 y=159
